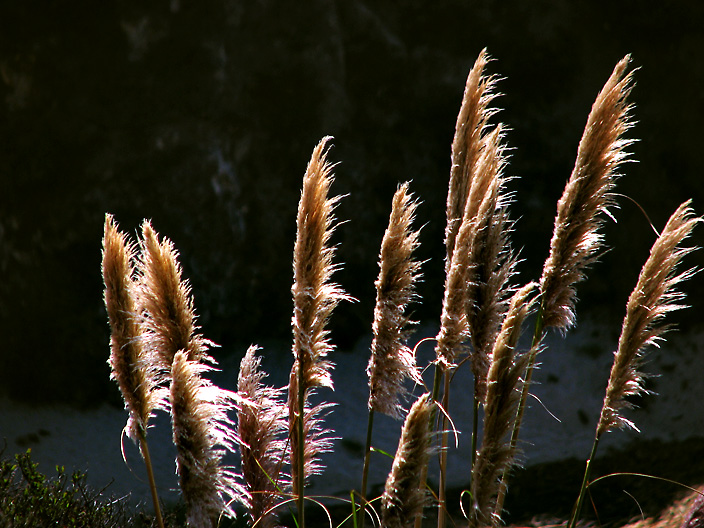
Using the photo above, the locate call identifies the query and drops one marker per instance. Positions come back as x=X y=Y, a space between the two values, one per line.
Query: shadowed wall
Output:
x=202 y=116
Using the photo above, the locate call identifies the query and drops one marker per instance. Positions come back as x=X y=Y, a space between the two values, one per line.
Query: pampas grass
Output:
x=473 y=195
x=262 y=422
x=502 y=398
x=576 y=240
x=169 y=318
x=314 y=295
x=472 y=121
x=652 y=299
x=130 y=367
x=129 y=364
x=392 y=361
x=314 y=298
x=404 y=495
x=469 y=181
x=491 y=261
x=587 y=197
x=202 y=434
x=478 y=263
x=159 y=358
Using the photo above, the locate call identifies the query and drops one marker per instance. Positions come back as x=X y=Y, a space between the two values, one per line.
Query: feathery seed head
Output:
x=503 y=394
x=652 y=299
x=169 y=317
x=470 y=177
x=474 y=261
x=261 y=423
x=129 y=365
x=392 y=360
x=202 y=434
x=404 y=497
x=472 y=121
x=314 y=296
x=576 y=240
x=491 y=263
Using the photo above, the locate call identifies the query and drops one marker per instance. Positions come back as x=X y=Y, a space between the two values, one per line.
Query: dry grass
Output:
x=262 y=422
x=404 y=497
x=652 y=299
x=576 y=240
x=156 y=348
x=502 y=397
x=392 y=361
x=677 y=515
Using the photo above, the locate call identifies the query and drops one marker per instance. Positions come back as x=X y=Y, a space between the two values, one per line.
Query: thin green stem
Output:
x=537 y=338
x=150 y=476
x=585 y=482
x=365 y=471
x=354 y=510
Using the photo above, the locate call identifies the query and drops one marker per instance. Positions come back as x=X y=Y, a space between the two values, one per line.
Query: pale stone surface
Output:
x=569 y=383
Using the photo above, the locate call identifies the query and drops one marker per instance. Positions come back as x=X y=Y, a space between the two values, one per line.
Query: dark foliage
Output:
x=29 y=498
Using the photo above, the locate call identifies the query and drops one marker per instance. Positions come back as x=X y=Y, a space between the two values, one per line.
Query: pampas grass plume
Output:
x=261 y=420
x=652 y=299
x=314 y=298
x=314 y=295
x=202 y=434
x=404 y=495
x=502 y=398
x=129 y=365
x=465 y=192
x=391 y=360
x=576 y=240
x=472 y=120
x=169 y=321
x=491 y=262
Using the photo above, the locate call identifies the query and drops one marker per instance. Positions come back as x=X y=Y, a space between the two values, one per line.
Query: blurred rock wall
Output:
x=202 y=115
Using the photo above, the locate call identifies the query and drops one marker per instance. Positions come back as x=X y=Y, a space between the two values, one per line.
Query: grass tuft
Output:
x=156 y=350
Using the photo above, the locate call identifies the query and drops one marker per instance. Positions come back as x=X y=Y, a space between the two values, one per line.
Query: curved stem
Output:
x=585 y=482
x=150 y=476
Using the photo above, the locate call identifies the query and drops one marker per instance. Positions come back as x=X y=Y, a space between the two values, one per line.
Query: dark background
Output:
x=202 y=116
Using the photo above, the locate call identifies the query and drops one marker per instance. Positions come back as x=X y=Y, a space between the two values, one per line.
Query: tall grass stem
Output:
x=442 y=486
x=301 y=451
x=585 y=482
x=365 y=470
x=439 y=369
x=150 y=475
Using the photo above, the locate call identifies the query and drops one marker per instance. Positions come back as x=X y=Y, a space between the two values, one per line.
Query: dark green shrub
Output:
x=28 y=498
